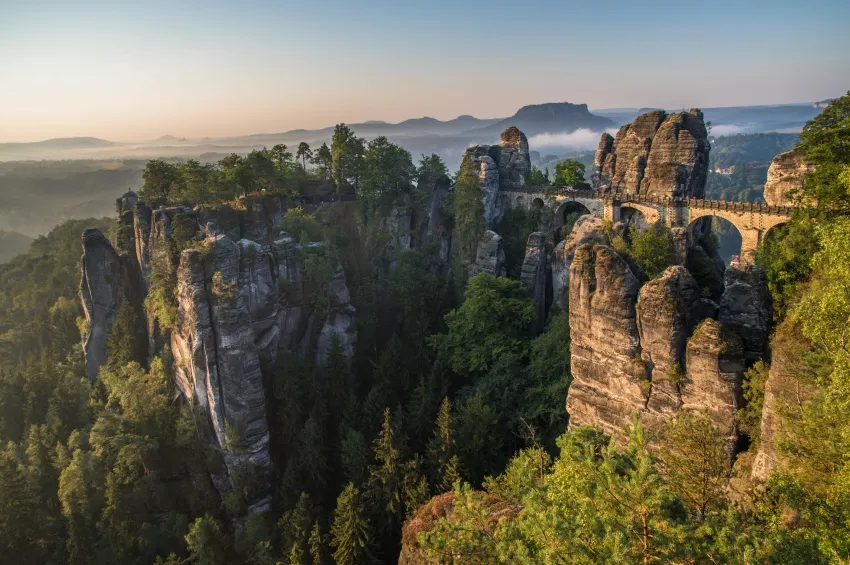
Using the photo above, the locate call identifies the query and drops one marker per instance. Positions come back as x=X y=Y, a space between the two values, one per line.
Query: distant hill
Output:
x=12 y=151
x=555 y=117
x=13 y=244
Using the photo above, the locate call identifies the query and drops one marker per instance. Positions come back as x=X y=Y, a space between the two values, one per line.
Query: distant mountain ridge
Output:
x=553 y=117
x=423 y=135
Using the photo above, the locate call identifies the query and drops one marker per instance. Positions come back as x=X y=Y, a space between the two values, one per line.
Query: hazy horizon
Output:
x=138 y=71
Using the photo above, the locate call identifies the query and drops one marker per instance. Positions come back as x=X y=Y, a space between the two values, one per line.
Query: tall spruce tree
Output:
x=442 y=458
x=351 y=535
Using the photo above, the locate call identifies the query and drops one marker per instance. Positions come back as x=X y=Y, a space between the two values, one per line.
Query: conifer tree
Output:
x=387 y=476
x=350 y=534
x=317 y=546
x=442 y=457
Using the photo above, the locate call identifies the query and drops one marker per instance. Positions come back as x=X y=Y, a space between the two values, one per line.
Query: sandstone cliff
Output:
x=659 y=153
x=635 y=351
x=785 y=178
x=100 y=292
x=502 y=166
x=587 y=229
x=489 y=256
x=535 y=277
x=610 y=380
x=239 y=303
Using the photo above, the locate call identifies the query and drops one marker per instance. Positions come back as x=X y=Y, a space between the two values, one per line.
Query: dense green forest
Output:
x=450 y=392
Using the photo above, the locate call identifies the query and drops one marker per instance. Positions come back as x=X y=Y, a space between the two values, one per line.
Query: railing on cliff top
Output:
x=658 y=200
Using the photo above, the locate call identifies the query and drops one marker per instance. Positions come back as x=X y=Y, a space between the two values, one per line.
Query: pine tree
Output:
x=387 y=477
x=317 y=546
x=296 y=555
x=350 y=534
x=441 y=450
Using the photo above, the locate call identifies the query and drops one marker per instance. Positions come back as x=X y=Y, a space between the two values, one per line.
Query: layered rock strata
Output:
x=587 y=229
x=747 y=308
x=657 y=154
x=785 y=178
x=635 y=352
x=489 y=256
x=101 y=290
x=502 y=166
x=535 y=278
x=240 y=302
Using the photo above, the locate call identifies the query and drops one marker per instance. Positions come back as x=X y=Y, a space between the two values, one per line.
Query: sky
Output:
x=128 y=70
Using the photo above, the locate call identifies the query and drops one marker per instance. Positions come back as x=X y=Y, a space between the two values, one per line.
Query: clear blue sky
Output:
x=127 y=70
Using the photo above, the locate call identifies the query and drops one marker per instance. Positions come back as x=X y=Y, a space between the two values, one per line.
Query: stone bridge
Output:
x=753 y=220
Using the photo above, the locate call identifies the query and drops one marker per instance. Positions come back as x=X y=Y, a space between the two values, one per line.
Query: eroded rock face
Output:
x=240 y=303
x=535 y=278
x=715 y=372
x=610 y=380
x=217 y=350
x=587 y=229
x=635 y=352
x=502 y=166
x=785 y=178
x=100 y=291
x=667 y=311
x=786 y=397
x=747 y=308
x=658 y=154
x=489 y=256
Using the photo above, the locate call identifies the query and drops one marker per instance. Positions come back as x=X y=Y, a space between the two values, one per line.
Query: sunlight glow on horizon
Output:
x=135 y=72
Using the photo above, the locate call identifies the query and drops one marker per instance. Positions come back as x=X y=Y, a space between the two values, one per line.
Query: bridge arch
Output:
x=638 y=215
x=567 y=213
x=537 y=203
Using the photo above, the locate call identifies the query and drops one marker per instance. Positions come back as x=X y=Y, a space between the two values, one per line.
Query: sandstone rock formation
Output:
x=635 y=352
x=502 y=166
x=610 y=380
x=489 y=256
x=660 y=154
x=785 y=178
x=100 y=291
x=535 y=277
x=226 y=300
x=587 y=229
x=786 y=396
x=667 y=310
x=715 y=371
x=240 y=302
x=747 y=308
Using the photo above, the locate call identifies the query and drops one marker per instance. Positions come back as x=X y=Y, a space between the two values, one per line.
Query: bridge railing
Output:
x=661 y=200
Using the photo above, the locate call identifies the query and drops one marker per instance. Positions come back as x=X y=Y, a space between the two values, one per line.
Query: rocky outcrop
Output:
x=587 y=229
x=785 y=178
x=226 y=308
x=240 y=302
x=101 y=290
x=502 y=166
x=635 y=352
x=747 y=308
x=441 y=507
x=535 y=278
x=489 y=256
x=513 y=159
x=610 y=380
x=661 y=154
x=667 y=310
x=787 y=392
x=715 y=371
